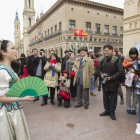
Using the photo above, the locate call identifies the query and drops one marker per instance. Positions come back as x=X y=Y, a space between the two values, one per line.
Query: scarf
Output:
x=52 y=61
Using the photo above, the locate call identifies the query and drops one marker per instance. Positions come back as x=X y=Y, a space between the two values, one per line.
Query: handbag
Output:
x=66 y=95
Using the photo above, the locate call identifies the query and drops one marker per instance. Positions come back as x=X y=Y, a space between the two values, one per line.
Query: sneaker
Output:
x=133 y=112
x=138 y=129
x=92 y=94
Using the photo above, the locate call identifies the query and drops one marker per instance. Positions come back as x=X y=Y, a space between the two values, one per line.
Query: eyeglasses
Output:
x=105 y=51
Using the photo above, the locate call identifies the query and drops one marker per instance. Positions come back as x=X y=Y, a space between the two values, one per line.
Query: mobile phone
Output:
x=41 y=53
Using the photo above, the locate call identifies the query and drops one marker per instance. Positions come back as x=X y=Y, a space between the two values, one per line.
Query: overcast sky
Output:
x=8 y=9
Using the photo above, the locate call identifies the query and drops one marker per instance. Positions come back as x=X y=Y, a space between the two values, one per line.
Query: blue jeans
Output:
x=138 y=121
x=92 y=84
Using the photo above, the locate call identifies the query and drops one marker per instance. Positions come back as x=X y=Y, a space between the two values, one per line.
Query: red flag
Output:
x=80 y=33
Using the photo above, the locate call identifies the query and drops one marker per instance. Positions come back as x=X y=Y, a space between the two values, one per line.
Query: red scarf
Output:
x=53 y=61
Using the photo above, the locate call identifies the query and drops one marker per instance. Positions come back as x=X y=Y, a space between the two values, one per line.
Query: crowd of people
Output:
x=73 y=78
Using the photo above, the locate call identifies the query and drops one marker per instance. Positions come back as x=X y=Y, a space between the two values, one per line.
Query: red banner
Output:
x=80 y=33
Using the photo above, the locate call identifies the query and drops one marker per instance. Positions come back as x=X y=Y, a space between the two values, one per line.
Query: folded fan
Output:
x=30 y=86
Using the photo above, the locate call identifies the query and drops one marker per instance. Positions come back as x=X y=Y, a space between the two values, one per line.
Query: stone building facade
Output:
x=131 y=24
x=54 y=29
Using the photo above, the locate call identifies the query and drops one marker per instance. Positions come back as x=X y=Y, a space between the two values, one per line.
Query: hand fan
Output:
x=30 y=86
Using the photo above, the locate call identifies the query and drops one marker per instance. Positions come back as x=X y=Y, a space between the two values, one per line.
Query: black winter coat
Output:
x=36 y=62
x=113 y=67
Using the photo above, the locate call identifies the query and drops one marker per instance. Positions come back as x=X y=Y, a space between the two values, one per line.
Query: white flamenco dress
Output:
x=13 y=125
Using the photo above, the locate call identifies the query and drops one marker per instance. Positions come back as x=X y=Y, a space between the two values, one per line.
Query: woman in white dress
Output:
x=13 y=124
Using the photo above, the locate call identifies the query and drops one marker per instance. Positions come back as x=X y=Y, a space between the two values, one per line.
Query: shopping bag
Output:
x=129 y=79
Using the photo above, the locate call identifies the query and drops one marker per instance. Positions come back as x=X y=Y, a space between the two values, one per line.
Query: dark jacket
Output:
x=23 y=62
x=36 y=62
x=113 y=67
x=64 y=60
x=16 y=67
x=31 y=66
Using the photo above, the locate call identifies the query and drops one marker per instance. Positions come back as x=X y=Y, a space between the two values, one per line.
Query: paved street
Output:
x=57 y=123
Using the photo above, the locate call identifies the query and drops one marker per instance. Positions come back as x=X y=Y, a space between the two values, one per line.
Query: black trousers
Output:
x=110 y=101
x=66 y=102
x=73 y=89
x=52 y=93
x=100 y=81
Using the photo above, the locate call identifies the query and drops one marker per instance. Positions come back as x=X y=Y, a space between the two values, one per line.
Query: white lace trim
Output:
x=3 y=91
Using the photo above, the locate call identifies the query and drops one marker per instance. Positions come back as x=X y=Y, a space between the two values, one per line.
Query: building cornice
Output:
x=84 y=3
x=132 y=17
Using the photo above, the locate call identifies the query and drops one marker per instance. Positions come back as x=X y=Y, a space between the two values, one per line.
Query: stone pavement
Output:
x=57 y=123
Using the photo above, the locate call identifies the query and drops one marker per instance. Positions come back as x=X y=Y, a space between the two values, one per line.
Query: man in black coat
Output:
x=112 y=67
x=39 y=64
x=16 y=67
x=64 y=60
x=30 y=64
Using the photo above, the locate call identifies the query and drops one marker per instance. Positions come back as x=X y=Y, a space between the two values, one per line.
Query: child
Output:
x=64 y=92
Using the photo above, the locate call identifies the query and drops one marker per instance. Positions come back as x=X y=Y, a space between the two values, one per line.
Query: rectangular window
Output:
x=121 y=31
x=97 y=50
x=55 y=28
x=114 y=32
x=72 y=24
x=88 y=26
x=29 y=3
x=48 y=32
x=97 y=28
x=60 y=26
x=51 y=30
x=29 y=21
x=45 y=33
x=106 y=29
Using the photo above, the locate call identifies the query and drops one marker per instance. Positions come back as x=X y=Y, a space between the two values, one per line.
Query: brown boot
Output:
x=92 y=94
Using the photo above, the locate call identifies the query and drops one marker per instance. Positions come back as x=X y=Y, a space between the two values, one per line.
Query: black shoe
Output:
x=133 y=112
x=59 y=104
x=49 y=97
x=113 y=117
x=76 y=106
x=44 y=103
x=52 y=102
x=104 y=114
x=86 y=107
x=129 y=111
x=99 y=89
x=36 y=99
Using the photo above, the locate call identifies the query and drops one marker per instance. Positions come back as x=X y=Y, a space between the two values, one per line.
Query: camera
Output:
x=41 y=53
x=105 y=79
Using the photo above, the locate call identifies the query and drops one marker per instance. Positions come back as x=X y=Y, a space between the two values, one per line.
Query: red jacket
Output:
x=95 y=61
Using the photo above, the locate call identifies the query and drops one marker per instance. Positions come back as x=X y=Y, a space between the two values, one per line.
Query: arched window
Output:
x=29 y=3
x=17 y=38
x=29 y=21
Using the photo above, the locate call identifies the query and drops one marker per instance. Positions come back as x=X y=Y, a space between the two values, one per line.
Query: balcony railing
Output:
x=46 y=37
x=115 y=34
x=106 y=33
x=52 y=34
x=98 y=32
x=71 y=29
